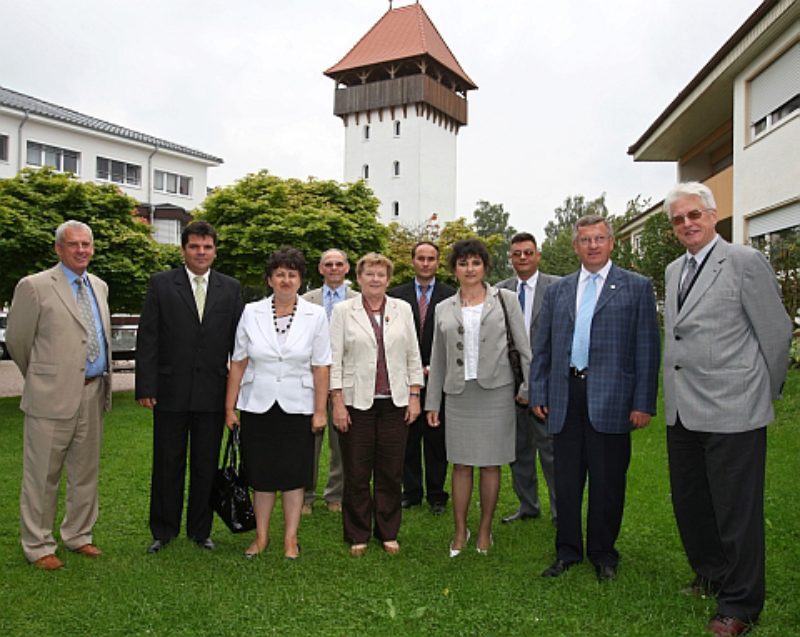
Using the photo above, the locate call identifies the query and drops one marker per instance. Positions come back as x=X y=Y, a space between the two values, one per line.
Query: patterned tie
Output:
x=691 y=271
x=521 y=295
x=200 y=295
x=423 y=305
x=87 y=318
x=330 y=297
x=583 y=325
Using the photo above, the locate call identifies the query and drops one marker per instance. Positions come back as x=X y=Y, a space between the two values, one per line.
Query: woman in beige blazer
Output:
x=469 y=362
x=375 y=381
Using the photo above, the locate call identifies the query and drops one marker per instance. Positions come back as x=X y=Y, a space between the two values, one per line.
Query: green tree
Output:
x=658 y=247
x=558 y=255
x=262 y=212
x=35 y=202
x=491 y=224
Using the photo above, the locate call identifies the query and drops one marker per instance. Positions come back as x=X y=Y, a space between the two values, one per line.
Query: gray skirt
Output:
x=480 y=426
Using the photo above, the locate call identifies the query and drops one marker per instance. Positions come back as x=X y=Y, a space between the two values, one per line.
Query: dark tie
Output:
x=423 y=305
x=87 y=318
x=691 y=271
x=521 y=295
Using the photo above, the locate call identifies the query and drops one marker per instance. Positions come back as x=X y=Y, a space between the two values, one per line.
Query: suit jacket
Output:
x=355 y=352
x=278 y=372
x=315 y=295
x=408 y=292
x=447 y=365
x=47 y=340
x=624 y=352
x=726 y=349
x=543 y=282
x=180 y=361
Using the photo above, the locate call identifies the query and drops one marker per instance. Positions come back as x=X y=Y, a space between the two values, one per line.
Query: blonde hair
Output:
x=373 y=258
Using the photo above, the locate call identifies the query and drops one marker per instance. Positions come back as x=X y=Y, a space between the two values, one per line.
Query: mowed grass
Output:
x=187 y=591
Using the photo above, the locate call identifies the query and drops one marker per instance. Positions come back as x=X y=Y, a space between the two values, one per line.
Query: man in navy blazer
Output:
x=185 y=338
x=594 y=374
x=425 y=261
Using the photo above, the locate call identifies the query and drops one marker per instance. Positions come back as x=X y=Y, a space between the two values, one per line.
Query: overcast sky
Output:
x=565 y=86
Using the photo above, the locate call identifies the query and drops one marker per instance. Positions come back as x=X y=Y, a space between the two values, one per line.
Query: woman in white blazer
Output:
x=469 y=363
x=375 y=381
x=279 y=381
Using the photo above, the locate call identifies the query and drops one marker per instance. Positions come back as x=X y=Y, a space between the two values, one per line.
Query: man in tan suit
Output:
x=333 y=266
x=58 y=335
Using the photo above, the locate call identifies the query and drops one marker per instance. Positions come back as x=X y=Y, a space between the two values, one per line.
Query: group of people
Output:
x=563 y=368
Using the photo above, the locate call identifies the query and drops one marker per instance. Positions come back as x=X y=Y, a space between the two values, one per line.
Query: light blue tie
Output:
x=583 y=325
x=330 y=301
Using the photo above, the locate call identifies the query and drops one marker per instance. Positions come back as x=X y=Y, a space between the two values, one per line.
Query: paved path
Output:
x=11 y=379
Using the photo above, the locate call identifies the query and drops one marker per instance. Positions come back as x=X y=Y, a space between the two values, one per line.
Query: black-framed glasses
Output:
x=692 y=215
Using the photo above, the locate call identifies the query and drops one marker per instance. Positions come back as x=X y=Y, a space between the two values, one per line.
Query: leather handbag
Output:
x=514 y=358
x=230 y=497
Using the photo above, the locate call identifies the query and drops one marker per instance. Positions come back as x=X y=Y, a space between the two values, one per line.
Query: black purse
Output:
x=230 y=497
x=514 y=358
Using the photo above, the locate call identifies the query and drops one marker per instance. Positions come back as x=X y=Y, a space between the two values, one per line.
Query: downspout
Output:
x=19 y=140
x=150 y=206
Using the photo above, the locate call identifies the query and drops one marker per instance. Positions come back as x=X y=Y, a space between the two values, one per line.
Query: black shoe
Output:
x=438 y=508
x=519 y=515
x=156 y=546
x=407 y=504
x=557 y=568
x=207 y=544
x=605 y=572
x=701 y=587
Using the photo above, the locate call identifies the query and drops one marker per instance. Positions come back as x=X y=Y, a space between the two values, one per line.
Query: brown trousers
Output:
x=373 y=449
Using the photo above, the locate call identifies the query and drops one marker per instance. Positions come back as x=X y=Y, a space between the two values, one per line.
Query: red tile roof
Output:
x=400 y=33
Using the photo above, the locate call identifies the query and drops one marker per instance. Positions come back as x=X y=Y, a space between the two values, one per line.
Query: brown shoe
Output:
x=89 y=550
x=722 y=626
x=49 y=563
x=334 y=507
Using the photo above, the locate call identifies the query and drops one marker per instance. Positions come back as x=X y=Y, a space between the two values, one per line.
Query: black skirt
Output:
x=277 y=450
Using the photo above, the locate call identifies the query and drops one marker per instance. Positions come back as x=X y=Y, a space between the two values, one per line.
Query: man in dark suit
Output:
x=727 y=339
x=424 y=293
x=529 y=285
x=594 y=374
x=185 y=338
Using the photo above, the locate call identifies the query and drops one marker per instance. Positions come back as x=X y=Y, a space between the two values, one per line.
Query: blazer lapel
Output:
x=184 y=287
x=362 y=320
x=300 y=323
x=62 y=289
x=610 y=288
x=571 y=290
x=707 y=276
x=264 y=322
x=213 y=293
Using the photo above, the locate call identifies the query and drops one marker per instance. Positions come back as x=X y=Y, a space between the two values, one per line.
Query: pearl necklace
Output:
x=275 y=317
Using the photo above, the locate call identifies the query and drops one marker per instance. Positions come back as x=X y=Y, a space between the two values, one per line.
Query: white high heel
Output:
x=457 y=552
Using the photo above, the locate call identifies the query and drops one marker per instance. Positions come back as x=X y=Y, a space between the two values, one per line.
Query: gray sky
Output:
x=565 y=86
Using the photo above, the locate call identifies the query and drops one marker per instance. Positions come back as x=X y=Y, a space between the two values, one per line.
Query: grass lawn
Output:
x=186 y=591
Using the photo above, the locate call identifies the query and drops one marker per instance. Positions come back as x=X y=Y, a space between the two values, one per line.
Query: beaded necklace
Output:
x=275 y=317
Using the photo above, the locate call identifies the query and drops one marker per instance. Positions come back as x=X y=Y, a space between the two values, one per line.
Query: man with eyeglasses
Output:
x=594 y=375
x=727 y=338
x=333 y=266
x=532 y=437
x=424 y=293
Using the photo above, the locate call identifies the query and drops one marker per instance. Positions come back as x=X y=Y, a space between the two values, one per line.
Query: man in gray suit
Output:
x=727 y=339
x=58 y=335
x=532 y=437
x=333 y=266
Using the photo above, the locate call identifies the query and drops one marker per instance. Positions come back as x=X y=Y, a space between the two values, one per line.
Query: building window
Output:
x=118 y=172
x=3 y=147
x=773 y=92
x=63 y=160
x=397 y=128
x=771 y=119
x=396 y=208
x=396 y=169
x=365 y=172
x=167 y=231
x=172 y=183
x=366 y=131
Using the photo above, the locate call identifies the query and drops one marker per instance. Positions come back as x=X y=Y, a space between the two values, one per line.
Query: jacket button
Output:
x=677 y=338
x=459 y=345
x=459 y=362
x=677 y=367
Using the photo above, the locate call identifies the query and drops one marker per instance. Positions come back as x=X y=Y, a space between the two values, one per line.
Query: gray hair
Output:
x=689 y=189
x=330 y=251
x=70 y=225
x=591 y=220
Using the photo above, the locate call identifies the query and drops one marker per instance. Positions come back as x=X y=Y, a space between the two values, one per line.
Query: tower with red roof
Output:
x=402 y=96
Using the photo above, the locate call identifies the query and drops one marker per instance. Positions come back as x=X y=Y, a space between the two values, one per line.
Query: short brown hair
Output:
x=373 y=258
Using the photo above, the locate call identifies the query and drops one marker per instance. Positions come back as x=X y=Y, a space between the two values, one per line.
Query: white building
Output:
x=402 y=97
x=736 y=127
x=167 y=179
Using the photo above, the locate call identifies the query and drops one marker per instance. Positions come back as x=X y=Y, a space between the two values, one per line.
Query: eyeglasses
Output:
x=333 y=264
x=599 y=240
x=692 y=215
x=519 y=253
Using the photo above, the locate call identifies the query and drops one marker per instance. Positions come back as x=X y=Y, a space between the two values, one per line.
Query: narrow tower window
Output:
x=396 y=169
x=397 y=128
x=365 y=171
x=366 y=131
x=396 y=208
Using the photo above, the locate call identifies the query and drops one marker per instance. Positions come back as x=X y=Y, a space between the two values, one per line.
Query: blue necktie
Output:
x=330 y=300
x=521 y=295
x=583 y=325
